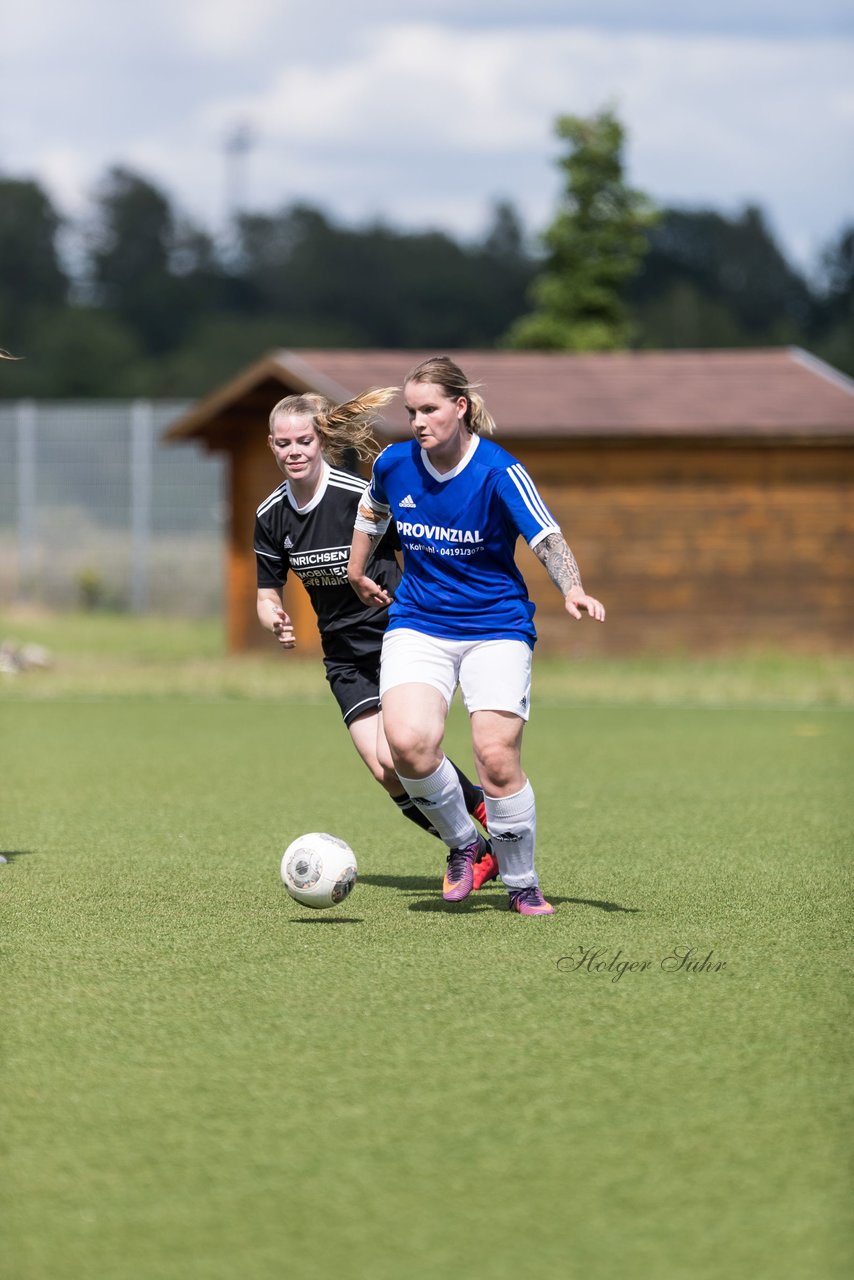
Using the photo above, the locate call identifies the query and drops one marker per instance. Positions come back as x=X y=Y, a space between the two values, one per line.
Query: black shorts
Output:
x=352 y=662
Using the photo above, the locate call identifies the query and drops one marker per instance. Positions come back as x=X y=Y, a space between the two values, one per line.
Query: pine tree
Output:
x=595 y=245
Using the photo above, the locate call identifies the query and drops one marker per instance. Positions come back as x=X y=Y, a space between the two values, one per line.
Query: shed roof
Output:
x=762 y=393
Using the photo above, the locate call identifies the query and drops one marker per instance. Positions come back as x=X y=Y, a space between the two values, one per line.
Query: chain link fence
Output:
x=96 y=512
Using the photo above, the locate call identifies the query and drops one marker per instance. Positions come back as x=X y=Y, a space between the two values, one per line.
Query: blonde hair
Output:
x=339 y=426
x=442 y=371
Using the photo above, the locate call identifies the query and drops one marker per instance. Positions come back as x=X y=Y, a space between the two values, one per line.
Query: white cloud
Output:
x=225 y=27
x=710 y=120
x=424 y=122
x=63 y=173
x=420 y=83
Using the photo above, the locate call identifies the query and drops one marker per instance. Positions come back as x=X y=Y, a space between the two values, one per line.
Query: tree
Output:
x=32 y=278
x=594 y=246
x=837 y=272
x=377 y=286
x=832 y=328
x=505 y=273
x=83 y=352
x=155 y=270
x=744 y=290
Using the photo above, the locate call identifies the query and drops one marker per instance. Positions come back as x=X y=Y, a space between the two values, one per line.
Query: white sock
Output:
x=512 y=822
x=440 y=798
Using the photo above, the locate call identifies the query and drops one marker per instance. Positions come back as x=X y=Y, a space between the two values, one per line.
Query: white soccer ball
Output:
x=319 y=870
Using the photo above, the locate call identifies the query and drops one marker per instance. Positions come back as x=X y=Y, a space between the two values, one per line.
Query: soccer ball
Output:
x=319 y=870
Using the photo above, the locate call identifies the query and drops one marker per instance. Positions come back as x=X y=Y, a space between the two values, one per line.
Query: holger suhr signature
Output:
x=602 y=960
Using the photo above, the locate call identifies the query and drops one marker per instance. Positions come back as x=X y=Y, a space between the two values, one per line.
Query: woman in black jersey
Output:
x=305 y=527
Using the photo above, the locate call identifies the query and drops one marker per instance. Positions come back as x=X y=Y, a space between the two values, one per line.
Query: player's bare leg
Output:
x=414 y=718
x=510 y=806
x=370 y=742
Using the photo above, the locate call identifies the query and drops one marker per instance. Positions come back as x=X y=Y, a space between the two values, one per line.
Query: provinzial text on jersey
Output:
x=437 y=532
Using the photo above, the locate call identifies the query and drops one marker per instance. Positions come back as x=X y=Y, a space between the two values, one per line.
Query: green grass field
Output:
x=203 y=1080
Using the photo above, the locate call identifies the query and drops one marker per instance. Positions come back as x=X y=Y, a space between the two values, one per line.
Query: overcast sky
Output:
x=424 y=113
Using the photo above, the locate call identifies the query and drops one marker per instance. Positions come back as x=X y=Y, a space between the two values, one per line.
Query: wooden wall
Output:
x=693 y=548
x=700 y=548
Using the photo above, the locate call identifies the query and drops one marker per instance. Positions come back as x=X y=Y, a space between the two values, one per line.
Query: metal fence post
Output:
x=141 y=436
x=25 y=423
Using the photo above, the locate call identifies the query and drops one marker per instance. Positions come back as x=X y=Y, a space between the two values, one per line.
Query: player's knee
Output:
x=413 y=749
x=498 y=767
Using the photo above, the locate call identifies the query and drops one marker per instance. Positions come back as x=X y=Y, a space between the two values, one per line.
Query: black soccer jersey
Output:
x=314 y=543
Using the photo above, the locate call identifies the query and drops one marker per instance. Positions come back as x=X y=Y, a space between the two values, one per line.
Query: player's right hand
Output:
x=283 y=629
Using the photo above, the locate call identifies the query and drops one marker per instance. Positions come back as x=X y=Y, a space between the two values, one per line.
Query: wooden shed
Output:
x=708 y=496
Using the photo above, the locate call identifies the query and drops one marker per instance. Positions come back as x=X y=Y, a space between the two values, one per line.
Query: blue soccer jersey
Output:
x=458 y=532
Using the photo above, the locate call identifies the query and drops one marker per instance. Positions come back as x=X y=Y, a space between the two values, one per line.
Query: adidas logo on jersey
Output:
x=289 y=542
x=407 y=502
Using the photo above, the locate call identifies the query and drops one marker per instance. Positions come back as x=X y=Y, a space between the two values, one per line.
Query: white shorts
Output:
x=493 y=675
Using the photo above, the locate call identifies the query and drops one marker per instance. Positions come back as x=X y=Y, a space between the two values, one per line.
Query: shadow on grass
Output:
x=327 y=920
x=9 y=855
x=592 y=902
x=498 y=902
x=482 y=901
x=467 y=907
x=405 y=883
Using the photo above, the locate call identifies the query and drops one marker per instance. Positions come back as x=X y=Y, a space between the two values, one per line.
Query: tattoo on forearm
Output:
x=559 y=562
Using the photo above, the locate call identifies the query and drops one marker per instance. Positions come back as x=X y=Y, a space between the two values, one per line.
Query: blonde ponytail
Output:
x=351 y=425
x=340 y=427
x=482 y=422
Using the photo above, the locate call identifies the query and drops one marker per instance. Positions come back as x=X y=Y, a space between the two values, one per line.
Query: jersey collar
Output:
x=312 y=502
x=442 y=476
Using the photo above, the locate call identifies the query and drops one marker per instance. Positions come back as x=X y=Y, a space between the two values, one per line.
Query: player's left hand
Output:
x=576 y=600
x=283 y=629
x=370 y=592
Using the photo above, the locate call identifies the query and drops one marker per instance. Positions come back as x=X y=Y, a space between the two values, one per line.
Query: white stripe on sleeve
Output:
x=532 y=499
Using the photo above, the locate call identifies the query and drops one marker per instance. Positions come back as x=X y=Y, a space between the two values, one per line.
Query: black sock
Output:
x=472 y=793
x=411 y=811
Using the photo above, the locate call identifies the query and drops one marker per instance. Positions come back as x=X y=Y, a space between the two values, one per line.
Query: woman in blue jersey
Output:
x=305 y=527
x=461 y=616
